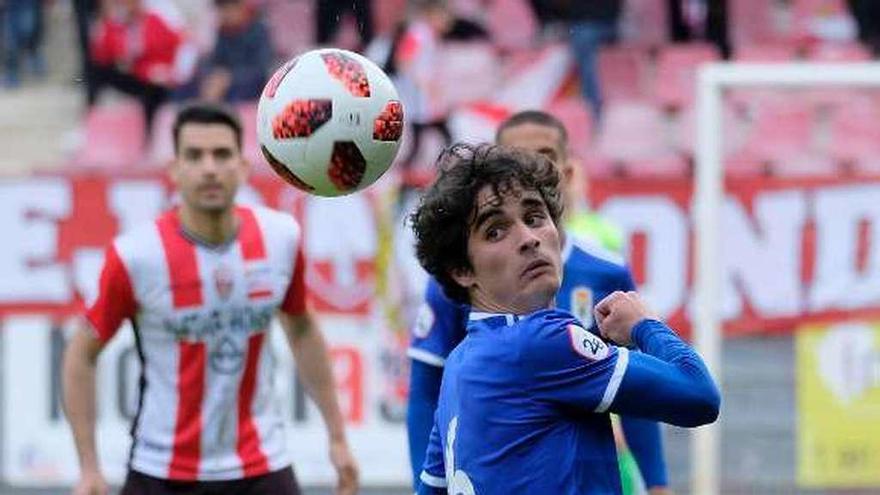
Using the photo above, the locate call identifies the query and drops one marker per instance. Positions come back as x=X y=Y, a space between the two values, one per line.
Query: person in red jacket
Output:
x=137 y=51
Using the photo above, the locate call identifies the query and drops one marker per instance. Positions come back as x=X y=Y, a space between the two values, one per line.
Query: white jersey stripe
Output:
x=614 y=381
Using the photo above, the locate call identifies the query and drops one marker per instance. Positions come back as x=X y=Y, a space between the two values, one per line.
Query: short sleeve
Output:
x=440 y=325
x=294 y=302
x=115 y=301
x=568 y=365
x=434 y=471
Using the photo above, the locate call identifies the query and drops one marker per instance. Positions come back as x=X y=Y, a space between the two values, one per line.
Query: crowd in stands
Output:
x=620 y=73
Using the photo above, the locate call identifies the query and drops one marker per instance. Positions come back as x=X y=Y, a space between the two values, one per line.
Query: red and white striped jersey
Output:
x=201 y=316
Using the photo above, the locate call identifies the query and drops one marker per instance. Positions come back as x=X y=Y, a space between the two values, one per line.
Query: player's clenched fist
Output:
x=618 y=313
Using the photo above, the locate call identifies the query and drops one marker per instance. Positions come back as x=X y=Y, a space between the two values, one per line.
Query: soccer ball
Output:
x=329 y=122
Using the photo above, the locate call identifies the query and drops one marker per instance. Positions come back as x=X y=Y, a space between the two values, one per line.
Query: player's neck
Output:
x=209 y=227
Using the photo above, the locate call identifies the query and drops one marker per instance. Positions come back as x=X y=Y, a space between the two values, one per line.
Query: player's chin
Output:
x=214 y=204
x=544 y=285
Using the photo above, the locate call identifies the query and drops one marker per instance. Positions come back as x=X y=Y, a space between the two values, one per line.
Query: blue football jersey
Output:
x=531 y=387
x=590 y=273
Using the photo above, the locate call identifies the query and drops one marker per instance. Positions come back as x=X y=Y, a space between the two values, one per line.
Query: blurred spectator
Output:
x=85 y=12
x=413 y=65
x=242 y=55
x=693 y=20
x=137 y=51
x=867 y=17
x=22 y=35
x=591 y=24
x=329 y=18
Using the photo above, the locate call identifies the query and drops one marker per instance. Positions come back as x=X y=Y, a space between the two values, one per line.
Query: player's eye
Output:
x=223 y=154
x=494 y=232
x=535 y=219
x=192 y=154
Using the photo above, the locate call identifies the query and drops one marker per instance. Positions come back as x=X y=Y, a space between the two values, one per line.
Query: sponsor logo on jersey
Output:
x=586 y=344
x=227 y=357
x=582 y=305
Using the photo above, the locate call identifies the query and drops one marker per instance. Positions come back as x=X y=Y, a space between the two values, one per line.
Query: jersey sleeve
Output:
x=115 y=301
x=294 y=302
x=439 y=327
x=667 y=381
x=433 y=477
x=567 y=365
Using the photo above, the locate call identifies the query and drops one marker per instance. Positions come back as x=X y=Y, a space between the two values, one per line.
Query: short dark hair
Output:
x=443 y=220
x=206 y=113
x=534 y=117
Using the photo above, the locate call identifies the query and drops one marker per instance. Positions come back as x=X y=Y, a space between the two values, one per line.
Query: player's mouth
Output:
x=211 y=188
x=536 y=268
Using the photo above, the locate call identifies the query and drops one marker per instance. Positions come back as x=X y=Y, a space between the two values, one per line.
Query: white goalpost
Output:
x=713 y=80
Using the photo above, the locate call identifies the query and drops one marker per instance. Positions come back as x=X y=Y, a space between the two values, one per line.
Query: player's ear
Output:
x=463 y=277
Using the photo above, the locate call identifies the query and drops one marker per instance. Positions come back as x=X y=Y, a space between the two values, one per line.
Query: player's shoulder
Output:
x=140 y=244
x=271 y=217
x=553 y=336
x=585 y=250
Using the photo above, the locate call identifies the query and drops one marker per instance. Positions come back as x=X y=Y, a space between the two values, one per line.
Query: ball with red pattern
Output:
x=329 y=122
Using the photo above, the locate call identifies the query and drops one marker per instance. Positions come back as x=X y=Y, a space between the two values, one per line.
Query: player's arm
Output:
x=424 y=389
x=78 y=380
x=432 y=478
x=668 y=380
x=115 y=303
x=312 y=360
x=313 y=367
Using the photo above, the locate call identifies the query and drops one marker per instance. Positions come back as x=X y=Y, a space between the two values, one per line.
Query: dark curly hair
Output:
x=442 y=222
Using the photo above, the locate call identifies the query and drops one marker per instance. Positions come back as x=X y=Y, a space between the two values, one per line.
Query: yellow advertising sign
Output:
x=838 y=397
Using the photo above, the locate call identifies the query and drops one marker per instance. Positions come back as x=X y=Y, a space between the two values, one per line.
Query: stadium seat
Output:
x=114 y=136
x=751 y=22
x=675 y=81
x=161 y=146
x=780 y=129
x=854 y=132
x=807 y=163
x=766 y=52
x=573 y=112
x=623 y=72
x=838 y=52
x=511 y=24
x=634 y=136
x=669 y=166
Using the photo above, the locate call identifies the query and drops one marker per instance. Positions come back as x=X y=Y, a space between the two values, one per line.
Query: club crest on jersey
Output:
x=223 y=281
x=582 y=304
x=586 y=344
x=424 y=321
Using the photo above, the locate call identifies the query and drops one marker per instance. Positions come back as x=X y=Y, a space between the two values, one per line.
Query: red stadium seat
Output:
x=573 y=112
x=854 y=132
x=766 y=52
x=635 y=136
x=751 y=22
x=161 y=146
x=781 y=129
x=675 y=82
x=247 y=112
x=807 y=163
x=114 y=136
x=839 y=52
x=623 y=72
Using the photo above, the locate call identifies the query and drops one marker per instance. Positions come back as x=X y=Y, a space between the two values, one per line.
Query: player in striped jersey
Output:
x=591 y=271
x=525 y=397
x=201 y=285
